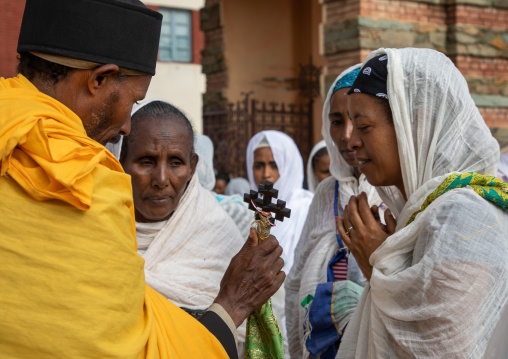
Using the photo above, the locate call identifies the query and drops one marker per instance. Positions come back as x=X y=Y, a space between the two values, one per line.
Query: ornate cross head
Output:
x=265 y=204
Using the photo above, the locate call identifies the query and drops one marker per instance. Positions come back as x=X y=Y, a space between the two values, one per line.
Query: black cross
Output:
x=265 y=203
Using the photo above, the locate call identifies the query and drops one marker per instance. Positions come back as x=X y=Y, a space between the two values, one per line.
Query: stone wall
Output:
x=473 y=33
x=213 y=60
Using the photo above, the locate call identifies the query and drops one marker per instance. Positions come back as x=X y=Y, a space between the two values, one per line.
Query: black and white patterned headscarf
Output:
x=372 y=78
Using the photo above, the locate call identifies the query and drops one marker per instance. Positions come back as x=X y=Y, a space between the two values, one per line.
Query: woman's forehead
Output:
x=169 y=129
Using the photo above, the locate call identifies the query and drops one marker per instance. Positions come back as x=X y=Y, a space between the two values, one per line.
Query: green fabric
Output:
x=264 y=339
x=308 y=299
x=489 y=187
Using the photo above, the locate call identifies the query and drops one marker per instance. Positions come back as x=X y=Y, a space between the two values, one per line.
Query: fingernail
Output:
x=353 y=196
x=345 y=207
x=336 y=219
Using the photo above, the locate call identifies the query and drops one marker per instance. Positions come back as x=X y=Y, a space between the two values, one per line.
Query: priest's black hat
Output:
x=121 y=32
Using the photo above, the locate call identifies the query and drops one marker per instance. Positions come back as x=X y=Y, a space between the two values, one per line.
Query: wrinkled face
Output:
x=322 y=167
x=340 y=125
x=264 y=167
x=374 y=140
x=220 y=186
x=160 y=162
x=110 y=113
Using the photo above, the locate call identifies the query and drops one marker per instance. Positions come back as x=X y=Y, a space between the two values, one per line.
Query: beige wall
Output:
x=265 y=41
x=181 y=84
x=182 y=4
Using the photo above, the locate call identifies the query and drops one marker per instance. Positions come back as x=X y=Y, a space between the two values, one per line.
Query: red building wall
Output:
x=11 y=12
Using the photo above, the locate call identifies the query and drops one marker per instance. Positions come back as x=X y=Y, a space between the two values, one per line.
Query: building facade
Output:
x=179 y=78
x=247 y=42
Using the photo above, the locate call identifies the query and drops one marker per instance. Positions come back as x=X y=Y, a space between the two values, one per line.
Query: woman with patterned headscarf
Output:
x=325 y=278
x=438 y=280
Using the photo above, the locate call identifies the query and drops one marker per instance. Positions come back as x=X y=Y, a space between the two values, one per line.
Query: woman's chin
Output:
x=153 y=217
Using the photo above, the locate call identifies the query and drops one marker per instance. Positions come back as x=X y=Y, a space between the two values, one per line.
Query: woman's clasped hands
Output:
x=362 y=231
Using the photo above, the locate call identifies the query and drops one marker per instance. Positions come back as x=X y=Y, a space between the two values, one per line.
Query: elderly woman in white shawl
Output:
x=438 y=281
x=273 y=156
x=185 y=237
x=325 y=279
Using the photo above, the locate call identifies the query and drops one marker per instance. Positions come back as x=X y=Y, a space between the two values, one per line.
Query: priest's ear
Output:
x=102 y=77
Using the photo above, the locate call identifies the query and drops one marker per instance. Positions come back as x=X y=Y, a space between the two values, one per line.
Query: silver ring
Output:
x=349 y=230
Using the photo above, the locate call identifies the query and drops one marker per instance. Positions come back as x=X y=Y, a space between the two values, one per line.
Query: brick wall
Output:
x=198 y=38
x=11 y=13
x=212 y=60
x=475 y=37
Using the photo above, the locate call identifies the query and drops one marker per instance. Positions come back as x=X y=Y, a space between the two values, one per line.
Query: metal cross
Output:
x=265 y=203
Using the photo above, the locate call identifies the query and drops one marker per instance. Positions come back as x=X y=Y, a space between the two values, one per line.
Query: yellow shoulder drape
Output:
x=72 y=283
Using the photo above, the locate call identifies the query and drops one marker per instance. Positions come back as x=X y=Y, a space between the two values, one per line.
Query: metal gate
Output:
x=232 y=126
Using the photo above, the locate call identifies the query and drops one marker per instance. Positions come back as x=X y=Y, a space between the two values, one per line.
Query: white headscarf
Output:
x=287 y=157
x=437 y=283
x=237 y=185
x=290 y=166
x=312 y=180
x=204 y=149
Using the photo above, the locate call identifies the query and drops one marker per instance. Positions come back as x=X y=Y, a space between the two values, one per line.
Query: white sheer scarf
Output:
x=438 y=283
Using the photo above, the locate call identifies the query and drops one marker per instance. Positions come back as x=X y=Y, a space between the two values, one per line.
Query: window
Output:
x=175 y=42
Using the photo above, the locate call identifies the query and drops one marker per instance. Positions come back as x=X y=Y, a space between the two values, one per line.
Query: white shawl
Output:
x=438 y=284
x=318 y=242
x=186 y=259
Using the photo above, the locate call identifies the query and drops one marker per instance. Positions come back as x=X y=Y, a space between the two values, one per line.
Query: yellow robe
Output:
x=71 y=282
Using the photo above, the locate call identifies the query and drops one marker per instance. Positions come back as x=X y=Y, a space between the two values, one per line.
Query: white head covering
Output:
x=287 y=157
x=431 y=292
x=312 y=180
x=339 y=168
x=204 y=149
x=426 y=117
x=237 y=185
